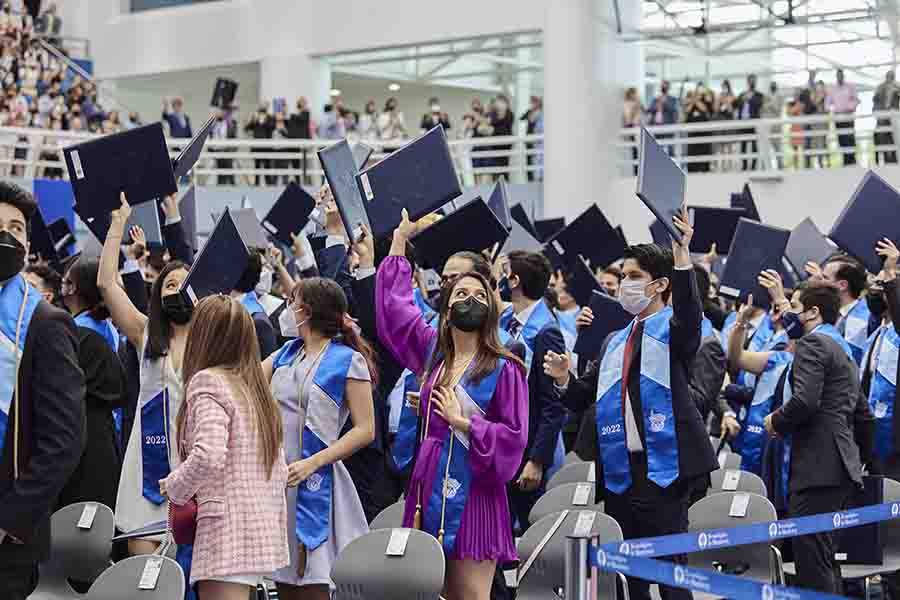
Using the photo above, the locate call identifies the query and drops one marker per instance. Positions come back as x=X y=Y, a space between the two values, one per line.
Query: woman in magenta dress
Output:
x=473 y=418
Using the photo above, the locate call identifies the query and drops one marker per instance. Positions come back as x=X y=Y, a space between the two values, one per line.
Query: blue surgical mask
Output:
x=504 y=289
x=793 y=325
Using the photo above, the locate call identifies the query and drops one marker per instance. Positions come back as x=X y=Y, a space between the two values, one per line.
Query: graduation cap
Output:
x=870 y=215
x=659 y=233
x=755 y=248
x=361 y=154
x=419 y=177
x=807 y=244
x=145 y=216
x=517 y=213
x=581 y=282
x=340 y=171
x=224 y=92
x=61 y=235
x=547 y=228
x=290 y=213
x=660 y=183
x=591 y=236
x=220 y=264
x=521 y=239
x=188 y=157
x=187 y=206
x=713 y=225
x=745 y=200
x=472 y=227
x=609 y=316
x=621 y=233
x=135 y=162
x=498 y=202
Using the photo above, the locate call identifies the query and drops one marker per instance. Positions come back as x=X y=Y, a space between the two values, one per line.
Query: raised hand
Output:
x=891 y=254
x=557 y=367
x=584 y=318
x=681 y=250
x=771 y=280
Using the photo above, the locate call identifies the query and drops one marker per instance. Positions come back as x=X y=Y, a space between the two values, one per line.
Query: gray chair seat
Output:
x=747 y=482
x=120 y=582
x=363 y=571
x=390 y=518
x=729 y=460
x=559 y=499
x=575 y=472
x=571 y=457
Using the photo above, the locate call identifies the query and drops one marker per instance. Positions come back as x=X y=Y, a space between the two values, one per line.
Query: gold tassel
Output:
x=417 y=518
x=441 y=537
x=301 y=560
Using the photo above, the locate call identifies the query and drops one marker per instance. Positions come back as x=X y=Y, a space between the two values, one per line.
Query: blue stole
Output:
x=423 y=305
x=883 y=386
x=856 y=329
x=751 y=440
x=540 y=317
x=250 y=301
x=761 y=337
x=474 y=398
x=826 y=330
x=108 y=332
x=12 y=295
x=322 y=428
x=661 y=442
x=155 y=439
x=708 y=331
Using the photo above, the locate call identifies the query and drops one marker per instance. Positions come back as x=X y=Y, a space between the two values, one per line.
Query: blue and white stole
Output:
x=422 y=304
x=250 y=301
x=751 y=441
x=661 y=442
x=882 y=352
x=156 y=434
x=321 y=429
x=855 y=327
x=826 y=330
x=708 y=331
x=108 y=332
x=16 y=297
x=758 y=343
x=474 y=398
x=540 y=317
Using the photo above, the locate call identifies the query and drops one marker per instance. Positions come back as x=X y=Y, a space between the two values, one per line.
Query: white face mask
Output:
x=288 y=324
x=264 y=287
x=632 y=296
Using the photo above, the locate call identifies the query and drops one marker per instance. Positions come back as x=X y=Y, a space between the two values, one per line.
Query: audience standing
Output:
x=842 y=101
x=748 y=106
x=887 y=97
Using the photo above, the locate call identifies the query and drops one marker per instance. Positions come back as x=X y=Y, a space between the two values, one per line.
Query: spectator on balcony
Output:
x=698 y=108
x=501 y=125
x=842 y=101
x=631 y=119
x=887 y=97
x=260 y=127
x=332 y=125
x=300 y=127
x=773 y=108
x=179 y=123
x=748 y=106
x=50 y=25
x=225 y=128
x=280 y=131
x=724 y=111
x=663 y=111
x=435 y=116
x=134 y=120
x=368 y=122
x=391 y=126
x=798 y=108
x=534 y=119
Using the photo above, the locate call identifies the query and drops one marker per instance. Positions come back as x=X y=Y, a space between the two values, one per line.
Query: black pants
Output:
x=885 y=138
x=847 y=140
x=520 y=505
x=18 y=572
x=647 y=510
x=814 y=554
x=747 y=147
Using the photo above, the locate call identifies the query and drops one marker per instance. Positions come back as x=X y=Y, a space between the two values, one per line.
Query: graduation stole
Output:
x=882 y=352
x=708 y=331
x=250 y=301
x=540 y=317
x=18 y=301
x=155 y=438
x=856 y=329
x=453 y=476
x=761 y=337
x=828 y=331
x=661 y=442
x=751 y=440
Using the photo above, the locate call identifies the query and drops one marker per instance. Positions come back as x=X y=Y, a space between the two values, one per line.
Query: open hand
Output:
x=446 y=404
x=299 y=471
x=557 y=367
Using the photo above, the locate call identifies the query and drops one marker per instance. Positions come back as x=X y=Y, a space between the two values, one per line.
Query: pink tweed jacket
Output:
x=242 y=516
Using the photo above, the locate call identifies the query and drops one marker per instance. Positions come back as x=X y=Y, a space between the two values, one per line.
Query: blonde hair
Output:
x=222 y=336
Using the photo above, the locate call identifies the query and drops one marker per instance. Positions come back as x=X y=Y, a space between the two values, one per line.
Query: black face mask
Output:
x=177 y=309
x=876 y=302
x=12 y=255
x=468 y=315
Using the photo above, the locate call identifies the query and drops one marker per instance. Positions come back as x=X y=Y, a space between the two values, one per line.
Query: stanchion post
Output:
x=576 y=564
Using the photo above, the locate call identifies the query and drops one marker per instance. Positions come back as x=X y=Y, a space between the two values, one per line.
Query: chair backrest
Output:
x=120 y=581
x=363 y=571
x=571 y=457
x=746 y=482
x=81 y=554
x=547 y=573
x=389 y=518
x=891 y=529
x=713 y=512
x=715 y=444
x=575 y=472
x=559 y=499
x=729 y=460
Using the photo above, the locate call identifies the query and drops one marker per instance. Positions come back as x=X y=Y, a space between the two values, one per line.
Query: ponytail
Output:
x=350 y=336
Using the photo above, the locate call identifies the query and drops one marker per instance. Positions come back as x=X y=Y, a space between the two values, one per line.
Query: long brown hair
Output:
x=325 y=303
x=490 y=350
x=222 y=336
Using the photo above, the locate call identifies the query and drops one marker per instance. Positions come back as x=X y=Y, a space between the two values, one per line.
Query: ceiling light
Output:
x=394 y=87
x=335 y=92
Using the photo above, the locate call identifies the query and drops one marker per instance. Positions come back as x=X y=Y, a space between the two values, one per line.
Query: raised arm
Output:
x=125 y=316
x=738 y=358
x=687 y=307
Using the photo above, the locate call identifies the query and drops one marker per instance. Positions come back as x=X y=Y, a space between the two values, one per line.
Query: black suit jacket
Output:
x=707 y=376
x=546 y=413
x=265 y=335
x=892 y=295
x=827 y=416
x=695 y=454
x=177 y=243
x=754 y=98
x=51 y=430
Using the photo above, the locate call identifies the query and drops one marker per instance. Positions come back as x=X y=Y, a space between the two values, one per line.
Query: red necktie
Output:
x=626 y=360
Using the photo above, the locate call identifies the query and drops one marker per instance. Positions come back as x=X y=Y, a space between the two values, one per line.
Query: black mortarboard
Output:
x=220 y=264
x=518 y=214
x=581 y=282
x=188 y=157
x=41 y=244
x=807 y=244
x=520 y=239
x=187 y=206
x=472 y=227
x=745 y=200
x=713 y=225
x=289 y=214
x=609 y=316
x=498 y=202
x=135 y=162
x=755 y=248
x=419 y=177
x=223 y=93
x=361 y=154
x=61 y=235
x=621 y=233
x=869 y=216
x=340 y=171
x=547 y=228
x=591 y=236
x=660 y=183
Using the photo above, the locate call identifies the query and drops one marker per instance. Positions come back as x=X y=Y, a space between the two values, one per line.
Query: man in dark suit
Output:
x=748 y=106
x=830 y=426
x=530 y=320
x=43 y=421
x=651 y=439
